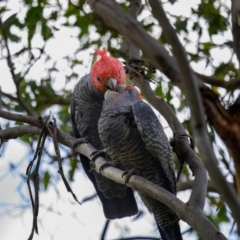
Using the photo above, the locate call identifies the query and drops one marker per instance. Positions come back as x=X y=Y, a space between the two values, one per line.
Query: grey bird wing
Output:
x=117 y=200
x=155 y=139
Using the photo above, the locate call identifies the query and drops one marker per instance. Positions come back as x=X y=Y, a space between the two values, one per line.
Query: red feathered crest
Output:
x=106 y=67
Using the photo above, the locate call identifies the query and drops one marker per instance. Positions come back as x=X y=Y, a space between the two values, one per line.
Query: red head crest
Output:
x=104 y=68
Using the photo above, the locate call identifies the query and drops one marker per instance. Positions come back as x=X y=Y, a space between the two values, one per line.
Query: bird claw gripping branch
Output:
x=129 y=174
x=81 y=141
x=174 y=145
x=86 y=107
x=107 y=164
x=100 y=153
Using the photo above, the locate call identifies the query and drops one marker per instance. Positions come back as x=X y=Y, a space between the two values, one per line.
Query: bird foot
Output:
x=128 y=174
x=98 y=153
x=174 y=145
x=107 y=164
x=81 y=141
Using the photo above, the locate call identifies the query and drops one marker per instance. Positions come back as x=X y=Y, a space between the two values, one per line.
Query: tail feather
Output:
x=115 y=207
x=171 y=232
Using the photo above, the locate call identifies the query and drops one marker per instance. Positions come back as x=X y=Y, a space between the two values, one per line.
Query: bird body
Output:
x=134 y=139
x=86 y=106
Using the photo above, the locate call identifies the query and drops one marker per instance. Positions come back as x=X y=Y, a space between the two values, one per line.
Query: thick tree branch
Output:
x=182 y=147
x=19 y=131
x=188 y=185
x=130 y=29
x=21 y=118
x=226 y=122
x=186 y=212
x=14 y=77
x=197 y=114
x=236 y=26
x=228 y=85
x=133 y=10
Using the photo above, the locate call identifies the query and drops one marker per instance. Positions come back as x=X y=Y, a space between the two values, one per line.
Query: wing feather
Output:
x=155 y=138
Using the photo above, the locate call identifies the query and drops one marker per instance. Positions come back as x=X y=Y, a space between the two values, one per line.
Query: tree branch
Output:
x=10 y=96
x=236 y=27
x=21 y=118
x=14 y=77
x=185 y=212
x=197 y=114
x=189 y=185
x=19 y=131
x=228 y=85
x=130 y=29
x=181 y=146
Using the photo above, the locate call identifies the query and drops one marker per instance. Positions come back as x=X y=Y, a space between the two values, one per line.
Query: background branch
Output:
x=182 y=186
x=230 y=85
x=185 y=212
x=182 y=148
x=16 y=79
x=236 y=27
x=185 y=152
x=197 y=114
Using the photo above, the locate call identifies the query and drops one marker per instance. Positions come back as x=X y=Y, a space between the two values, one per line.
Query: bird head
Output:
x=131 y=93
x=107 y=72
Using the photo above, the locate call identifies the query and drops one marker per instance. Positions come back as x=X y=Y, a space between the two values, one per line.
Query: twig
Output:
x=103 y=235
x=35 y=202
x=89 y=198
x=14 y=77
x=10 y=96
x=21 y=118
x=189 y=185
x=228 y=85
x=52 y=130
x=236 y=27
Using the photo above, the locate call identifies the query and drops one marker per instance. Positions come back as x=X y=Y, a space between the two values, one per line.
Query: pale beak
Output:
x=110 y=94
x=111 y=84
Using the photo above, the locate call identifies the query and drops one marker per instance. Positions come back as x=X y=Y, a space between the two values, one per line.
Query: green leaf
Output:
x=11 y=21
x=26 y=138
x=73 y=166
x=46 y=179
x=64 y=114
x=33 y=16
x=46 y=31
x=222 y=214
x=159 y=91
x=3 y=9
x=181 y=25
x=72 y=10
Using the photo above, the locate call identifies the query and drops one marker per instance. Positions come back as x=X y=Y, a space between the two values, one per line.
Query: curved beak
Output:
x=111 y=84
x=114 y=86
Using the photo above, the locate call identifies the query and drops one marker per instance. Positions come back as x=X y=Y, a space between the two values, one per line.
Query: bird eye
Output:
x=99 y=79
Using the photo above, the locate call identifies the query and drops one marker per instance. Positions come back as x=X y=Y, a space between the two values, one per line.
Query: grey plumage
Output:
x=86 y=106
x=134 y=139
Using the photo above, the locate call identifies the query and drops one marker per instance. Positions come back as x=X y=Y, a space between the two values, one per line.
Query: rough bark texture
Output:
x=226 y=122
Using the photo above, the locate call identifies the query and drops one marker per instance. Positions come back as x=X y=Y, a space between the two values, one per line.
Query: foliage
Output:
x=31 y=30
